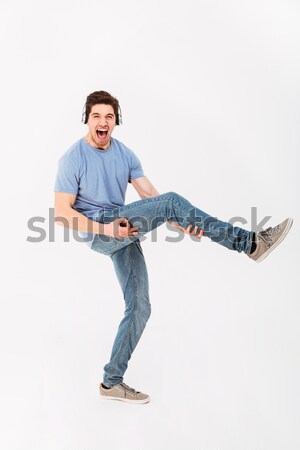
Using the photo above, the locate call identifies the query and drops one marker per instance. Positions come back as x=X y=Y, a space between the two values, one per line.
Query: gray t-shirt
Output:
x=99 y=178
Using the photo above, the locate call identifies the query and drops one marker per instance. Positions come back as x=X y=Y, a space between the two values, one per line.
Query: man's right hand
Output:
x=115 y=230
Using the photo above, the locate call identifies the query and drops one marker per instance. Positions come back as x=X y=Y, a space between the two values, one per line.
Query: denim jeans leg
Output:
x=151 y=212
x=131 y=271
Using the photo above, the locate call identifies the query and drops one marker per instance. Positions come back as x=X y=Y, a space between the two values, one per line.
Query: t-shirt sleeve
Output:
x=136 y=170
x=67 y=177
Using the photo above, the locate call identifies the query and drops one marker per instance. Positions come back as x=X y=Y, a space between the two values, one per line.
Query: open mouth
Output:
x=102 y=134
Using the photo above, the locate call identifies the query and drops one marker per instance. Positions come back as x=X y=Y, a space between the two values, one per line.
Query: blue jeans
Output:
x=130 y=266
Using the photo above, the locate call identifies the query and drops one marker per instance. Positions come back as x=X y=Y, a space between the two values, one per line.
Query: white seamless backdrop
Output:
x=209 y=92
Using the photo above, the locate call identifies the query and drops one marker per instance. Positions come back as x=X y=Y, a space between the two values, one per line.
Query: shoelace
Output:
x=133 y=391
x=266 y=235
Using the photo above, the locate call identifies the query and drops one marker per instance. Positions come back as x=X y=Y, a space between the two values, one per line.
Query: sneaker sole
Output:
x=284 y=233
x=106 y=397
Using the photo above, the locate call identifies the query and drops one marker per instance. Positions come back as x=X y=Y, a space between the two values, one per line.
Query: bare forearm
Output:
x=152 y=193
x=70 y=218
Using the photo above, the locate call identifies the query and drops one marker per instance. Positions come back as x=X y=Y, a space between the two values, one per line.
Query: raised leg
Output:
x=149 y=213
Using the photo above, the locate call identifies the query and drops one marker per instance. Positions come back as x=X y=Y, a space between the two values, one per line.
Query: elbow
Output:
x=61 y=216
x=60 y=220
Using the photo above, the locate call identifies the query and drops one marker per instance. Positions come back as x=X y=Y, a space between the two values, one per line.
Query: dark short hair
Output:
x=99 y=97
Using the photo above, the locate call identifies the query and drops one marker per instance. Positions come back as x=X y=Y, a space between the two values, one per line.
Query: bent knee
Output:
x=172 y=195
x=144 y=311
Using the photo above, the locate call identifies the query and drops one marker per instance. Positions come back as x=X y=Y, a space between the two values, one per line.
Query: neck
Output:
x=90 y=141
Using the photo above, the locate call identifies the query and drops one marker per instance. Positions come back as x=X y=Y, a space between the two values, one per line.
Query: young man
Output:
x=90 y=197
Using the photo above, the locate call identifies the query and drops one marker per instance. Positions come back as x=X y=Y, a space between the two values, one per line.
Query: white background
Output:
x=209 y=92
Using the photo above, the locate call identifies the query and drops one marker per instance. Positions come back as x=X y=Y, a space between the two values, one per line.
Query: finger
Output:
x=127 y=232
x=134 y=229
x=200 y=234
x=188 y=229
x=194 y=233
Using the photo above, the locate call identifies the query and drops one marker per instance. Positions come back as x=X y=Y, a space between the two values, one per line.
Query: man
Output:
x=90 y=197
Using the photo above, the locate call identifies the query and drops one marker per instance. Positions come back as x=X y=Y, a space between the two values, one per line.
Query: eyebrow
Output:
x=97 y=114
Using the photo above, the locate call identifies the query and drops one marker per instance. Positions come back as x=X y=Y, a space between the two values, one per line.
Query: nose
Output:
x=102 y=122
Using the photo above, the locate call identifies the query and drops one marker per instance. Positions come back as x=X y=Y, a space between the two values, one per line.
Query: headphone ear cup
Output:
x=83 y=116
x=119 y=117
